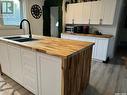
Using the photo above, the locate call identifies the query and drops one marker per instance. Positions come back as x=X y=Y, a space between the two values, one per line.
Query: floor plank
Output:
x=108 y=79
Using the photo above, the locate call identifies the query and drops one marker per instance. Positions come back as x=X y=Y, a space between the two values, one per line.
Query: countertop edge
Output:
x=90 y=35
x=42 y=51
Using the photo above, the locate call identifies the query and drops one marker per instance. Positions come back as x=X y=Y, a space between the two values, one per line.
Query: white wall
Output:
x=36 y=24
x=5 y=32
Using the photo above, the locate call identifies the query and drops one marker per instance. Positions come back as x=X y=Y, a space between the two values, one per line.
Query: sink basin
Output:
x=16 y=37
x=20 y=39
x=25 y=39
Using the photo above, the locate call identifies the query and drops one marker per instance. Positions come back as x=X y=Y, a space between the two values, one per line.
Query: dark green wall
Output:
x=46 y=16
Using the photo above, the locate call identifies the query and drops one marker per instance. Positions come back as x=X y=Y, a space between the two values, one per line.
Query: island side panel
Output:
x=76 y=72
x=49 y=74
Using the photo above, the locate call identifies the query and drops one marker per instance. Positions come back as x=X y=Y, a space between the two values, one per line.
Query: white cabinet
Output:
x=86 y=13
x=102 y=45
x=29 y=69
x=108 y=11
x=74 y=13
x=20 y=64
x=95 y=12
x=70 y=14
x=49 y=76
x=15 y=63
x=78 y=13
x=5 y=64
x=88 y=39
x=103 y=48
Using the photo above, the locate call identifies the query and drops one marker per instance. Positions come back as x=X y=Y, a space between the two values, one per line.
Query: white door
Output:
x=78 y=13
x=15 y=63
x=5 y=64
x=86 y=12
x=29 y=69
x=70 y=14
x=49 y=77
x=108 y=11
x=95 y=16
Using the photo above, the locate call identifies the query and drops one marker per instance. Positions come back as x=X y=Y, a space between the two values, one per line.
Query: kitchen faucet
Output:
x=30 y=34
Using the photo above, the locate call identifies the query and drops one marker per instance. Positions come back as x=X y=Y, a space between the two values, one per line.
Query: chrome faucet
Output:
x=30 y=34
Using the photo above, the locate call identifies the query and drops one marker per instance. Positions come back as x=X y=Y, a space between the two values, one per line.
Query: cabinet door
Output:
x=78 y=13
x=15 y=63
x=49 y=74
x=95 y=12
x=29 y=70
x=70 y=37
x=108 y=11
x=90 y=39
x=70 y=14
x=5 y=65
x=86 y=12
x=102 y=48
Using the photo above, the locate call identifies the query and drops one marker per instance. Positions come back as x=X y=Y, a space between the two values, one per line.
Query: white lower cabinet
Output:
x=49 y=74
x=103 y=48
x=5 y=64
x=20 y=64
x=102 y=45
x=29 y=69
x=15 y=63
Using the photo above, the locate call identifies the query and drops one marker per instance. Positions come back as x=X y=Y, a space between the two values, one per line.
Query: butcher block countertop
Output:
x=91 y=35
x=52 y=46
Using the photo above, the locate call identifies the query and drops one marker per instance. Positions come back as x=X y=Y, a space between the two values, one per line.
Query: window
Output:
x=11 y=13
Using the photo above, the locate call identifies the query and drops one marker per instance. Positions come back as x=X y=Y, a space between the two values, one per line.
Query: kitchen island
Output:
x=47 y=66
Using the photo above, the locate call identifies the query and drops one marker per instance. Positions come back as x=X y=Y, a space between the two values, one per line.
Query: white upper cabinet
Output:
x=95 y=16
x=108 y=11
x=74 y=13
x=78 y=13
x=95 y=12
x=70 y=14
x=86 y=12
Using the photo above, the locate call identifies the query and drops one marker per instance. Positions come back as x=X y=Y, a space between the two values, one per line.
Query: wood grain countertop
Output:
x=91 y=35
x=52 y=46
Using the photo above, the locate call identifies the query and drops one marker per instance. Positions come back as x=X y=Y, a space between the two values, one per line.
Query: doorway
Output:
x=48 y=8
x=54 y=21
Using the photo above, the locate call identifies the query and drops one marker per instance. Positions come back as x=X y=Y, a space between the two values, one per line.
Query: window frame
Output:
x=11 y=27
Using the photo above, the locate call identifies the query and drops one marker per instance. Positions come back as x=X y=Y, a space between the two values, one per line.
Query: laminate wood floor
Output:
x=106 y=79
x=109 y=79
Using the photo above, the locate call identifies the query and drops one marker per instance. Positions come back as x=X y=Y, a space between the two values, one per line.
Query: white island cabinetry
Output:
x=29 y=64
x=47 y=66
x=15 y=63
x=50 y=74
x=4 y=58
x=19 y=64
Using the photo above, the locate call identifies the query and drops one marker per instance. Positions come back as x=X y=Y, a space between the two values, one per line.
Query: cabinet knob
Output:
x=101 y=20
x=73 y=21
x=89 y=21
